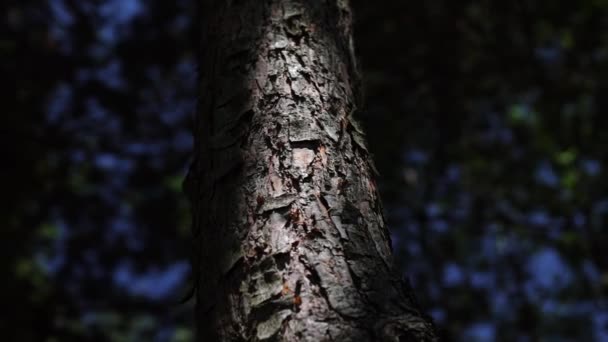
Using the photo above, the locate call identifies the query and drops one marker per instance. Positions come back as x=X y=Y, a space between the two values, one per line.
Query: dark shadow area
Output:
x=486 y=120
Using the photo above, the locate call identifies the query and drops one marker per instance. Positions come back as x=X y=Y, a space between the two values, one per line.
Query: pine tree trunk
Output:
x=292 y=241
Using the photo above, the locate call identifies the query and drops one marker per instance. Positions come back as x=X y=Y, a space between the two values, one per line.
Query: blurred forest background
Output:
x=486 y=119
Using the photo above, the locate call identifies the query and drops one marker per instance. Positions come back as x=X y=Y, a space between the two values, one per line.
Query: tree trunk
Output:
x=292 y=241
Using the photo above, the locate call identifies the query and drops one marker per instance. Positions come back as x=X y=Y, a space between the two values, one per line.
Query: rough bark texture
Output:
x=292 y=241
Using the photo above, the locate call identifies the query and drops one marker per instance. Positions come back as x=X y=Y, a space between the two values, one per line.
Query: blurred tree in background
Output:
x=485 y=119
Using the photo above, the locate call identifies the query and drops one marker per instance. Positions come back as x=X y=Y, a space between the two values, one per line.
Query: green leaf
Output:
x=566 y=157
x=48 y=231
x=570 y=179
x=567 y=39
x=522 y=114
x=182 y=335
x=174 y=183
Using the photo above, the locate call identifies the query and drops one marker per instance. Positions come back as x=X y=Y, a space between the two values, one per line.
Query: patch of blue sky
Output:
x=591 y=272
x=122 y=11
x=600 y=325
x=155 y=283
x=145 y=148
x=453 y=275
x=136 y=148
x=433 y=210
x=549 y=54
x=95 y=110
x=117 y=13
x=545 y=174
x=60 y=12
x=480 y=332
x=539 y=218
x=563 y=309
x=111 y=75
x=182 y=141
x=123 y=226
x=103 y=120
x=415 y=156
x=396 y=242
x=123 y=273
x=59 y=102
x=439 y=315
x=500 y=303
x=439 y=225
x=550 y=306
x=453 y=173
x=112 y=162
x=548 y=273
x=579 y=219
x=489 y=250
x=165 y=334
x=51 y=264
x=60 y=24
x=482 y=280
x=173 y=112
x=509 y=244
x=591 y=167
x=186 y=68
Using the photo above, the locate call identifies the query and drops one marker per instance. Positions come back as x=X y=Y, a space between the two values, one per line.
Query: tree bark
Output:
x=292 y=244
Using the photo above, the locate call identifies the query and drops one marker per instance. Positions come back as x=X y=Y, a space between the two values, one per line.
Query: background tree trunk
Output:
x=292 y=241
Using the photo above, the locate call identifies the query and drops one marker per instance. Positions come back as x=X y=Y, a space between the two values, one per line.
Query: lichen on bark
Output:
x=292 y=244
